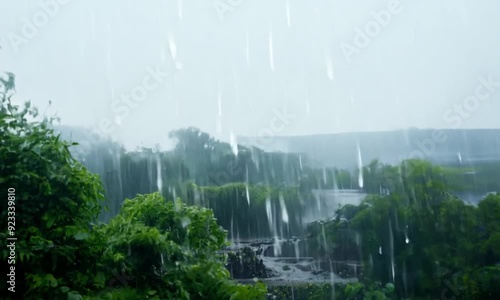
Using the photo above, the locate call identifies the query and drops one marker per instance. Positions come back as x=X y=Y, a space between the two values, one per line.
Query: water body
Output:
x=292 y=263
x=328 y=201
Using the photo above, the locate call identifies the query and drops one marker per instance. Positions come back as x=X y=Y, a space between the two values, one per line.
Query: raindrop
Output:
x=233 y=143
x=329 y=67
x=179 y=9
x=159 y=180
x=391 y=249
x=360 y=167
x=277 y=246
x=271 y=53
x=318 y=201
x=172 y=46
x=269 y=211
x=284 y=212
x=335 y=184
x=185 y=222
x=246 y=187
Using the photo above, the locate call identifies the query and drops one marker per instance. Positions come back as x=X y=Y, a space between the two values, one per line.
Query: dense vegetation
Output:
x=153 y=249
x=415 y=238
x=419 y=236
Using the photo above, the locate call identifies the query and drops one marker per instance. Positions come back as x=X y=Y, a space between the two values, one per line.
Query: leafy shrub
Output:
x=56 y=200
x=170 y=247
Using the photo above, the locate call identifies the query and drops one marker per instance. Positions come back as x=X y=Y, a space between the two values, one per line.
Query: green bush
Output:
x=56 y=201
x=171 y=248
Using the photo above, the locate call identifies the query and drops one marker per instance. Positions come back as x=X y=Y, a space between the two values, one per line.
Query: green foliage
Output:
x=325 y=291
x=361 y=291
x=305 y=291
x=416 y=233
x=479 y=283
x=56 y=200
x=480 y=177
x=164 y=250
x=170 y=248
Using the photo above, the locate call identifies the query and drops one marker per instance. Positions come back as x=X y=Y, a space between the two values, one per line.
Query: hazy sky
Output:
x=256 y=67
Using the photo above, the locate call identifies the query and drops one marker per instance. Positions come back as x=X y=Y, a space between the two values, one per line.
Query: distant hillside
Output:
x=341 y=150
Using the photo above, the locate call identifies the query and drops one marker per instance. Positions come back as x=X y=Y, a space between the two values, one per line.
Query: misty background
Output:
x=230 y=70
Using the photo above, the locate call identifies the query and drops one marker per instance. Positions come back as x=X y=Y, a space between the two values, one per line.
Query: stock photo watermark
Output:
x=280 y=120
x=455 y=116
x=464 y=109
x=11 y=239
x=222 y=7
x=122 y=106
x=120 y=279
x=31 y=27
x=449 y=291
x=363 y=36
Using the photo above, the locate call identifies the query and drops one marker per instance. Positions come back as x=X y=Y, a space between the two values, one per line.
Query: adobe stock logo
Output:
x=463 y=110
x=456 y=115
x=449 y=290
x=277 y=124
x=120 y=279
x=372 y=29
x=122 y=106
x=32 y=26
x=222 y=7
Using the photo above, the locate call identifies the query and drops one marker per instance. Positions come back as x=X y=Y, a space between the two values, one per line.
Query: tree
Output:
x=56 y=199
x=169 y=249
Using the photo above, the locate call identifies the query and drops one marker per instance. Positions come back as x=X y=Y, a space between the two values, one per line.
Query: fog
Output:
x=232 y=149
x=235 y=67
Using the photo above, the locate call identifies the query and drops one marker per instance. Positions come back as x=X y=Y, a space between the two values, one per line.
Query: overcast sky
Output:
x=258 y=66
